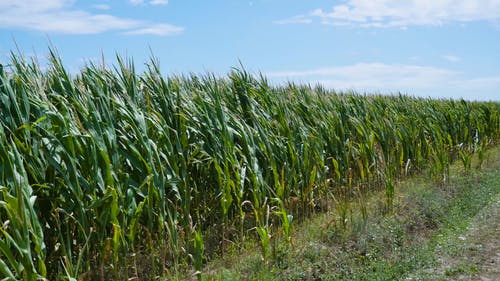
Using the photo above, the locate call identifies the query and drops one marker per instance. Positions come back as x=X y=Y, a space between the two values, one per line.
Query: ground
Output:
x=471 y=255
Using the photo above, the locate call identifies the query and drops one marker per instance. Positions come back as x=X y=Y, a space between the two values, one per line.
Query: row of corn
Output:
x=108 y=173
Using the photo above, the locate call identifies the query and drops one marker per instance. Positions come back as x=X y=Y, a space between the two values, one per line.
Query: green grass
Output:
x=114 y=174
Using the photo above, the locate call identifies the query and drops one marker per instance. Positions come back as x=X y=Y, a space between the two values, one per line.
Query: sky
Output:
x=424 y=48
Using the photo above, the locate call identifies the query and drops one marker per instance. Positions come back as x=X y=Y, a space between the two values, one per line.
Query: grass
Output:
x=427 y=221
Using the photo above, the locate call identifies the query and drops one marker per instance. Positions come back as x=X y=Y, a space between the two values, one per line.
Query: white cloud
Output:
x=392 y=78
x=59 y=16
x=157 y=29
x=397 y=13
x=452 y=58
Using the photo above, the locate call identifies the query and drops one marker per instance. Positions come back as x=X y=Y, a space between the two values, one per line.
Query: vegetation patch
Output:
x=113 y=174
x=423 y=238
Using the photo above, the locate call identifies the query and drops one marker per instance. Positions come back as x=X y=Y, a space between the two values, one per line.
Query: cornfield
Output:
x=108 y=169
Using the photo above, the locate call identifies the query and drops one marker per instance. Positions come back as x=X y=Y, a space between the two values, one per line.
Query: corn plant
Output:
x=108 y=168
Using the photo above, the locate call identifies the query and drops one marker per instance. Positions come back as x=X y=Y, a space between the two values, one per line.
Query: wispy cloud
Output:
x=397 y=13
x=158 y=2
x=293 y=20
x=452 y=58
x=373 y=75
x=151 y=2
x=101 y=7
x=157 y=29
x=392 y=78
x=59 y=16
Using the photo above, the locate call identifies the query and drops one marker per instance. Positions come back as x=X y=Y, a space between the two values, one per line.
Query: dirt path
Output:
x=486 y=236
x=481 y=247
x=472 y=255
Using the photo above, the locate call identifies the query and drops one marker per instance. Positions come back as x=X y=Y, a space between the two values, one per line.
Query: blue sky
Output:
x=437 y=48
